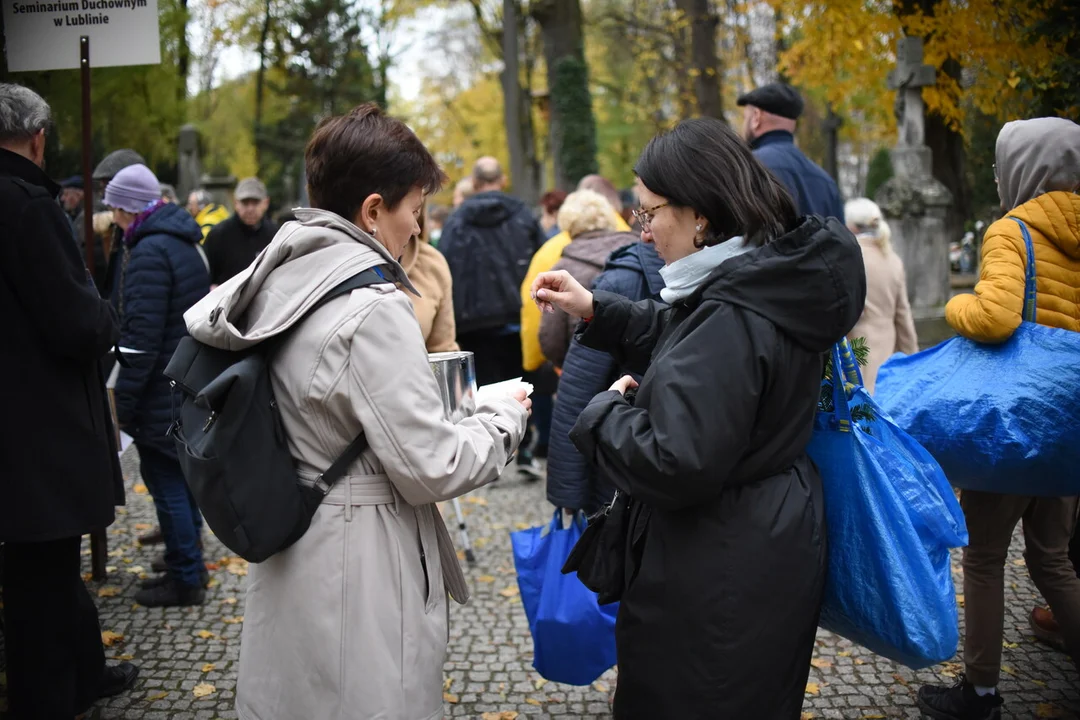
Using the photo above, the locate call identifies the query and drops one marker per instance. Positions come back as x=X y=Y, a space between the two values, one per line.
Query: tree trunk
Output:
x=704 y=62
x=833 y=122
x=183 y=55
x=950 y=163
x=561 y=27
x=516 y=112
x=260 y=87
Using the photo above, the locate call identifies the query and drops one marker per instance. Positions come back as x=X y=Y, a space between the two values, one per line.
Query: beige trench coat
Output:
x=886 y=322
x=350 y=623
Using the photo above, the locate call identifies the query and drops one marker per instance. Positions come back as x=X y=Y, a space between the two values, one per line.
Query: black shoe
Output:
x=960 y=702
x=529 y=466
x=154 y=537
x=117 y=679
x=162 y=579
x=159 y=565
x=171 y=594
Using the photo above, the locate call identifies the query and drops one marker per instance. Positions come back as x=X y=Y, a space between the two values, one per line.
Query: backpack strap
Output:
x=325 y=481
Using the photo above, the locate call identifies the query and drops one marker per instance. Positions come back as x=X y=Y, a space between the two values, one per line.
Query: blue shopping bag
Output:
x=997 y=418
x=892 y=518
x=573 y=635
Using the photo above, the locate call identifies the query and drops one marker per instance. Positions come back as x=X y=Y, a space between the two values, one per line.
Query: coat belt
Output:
x=356 y=490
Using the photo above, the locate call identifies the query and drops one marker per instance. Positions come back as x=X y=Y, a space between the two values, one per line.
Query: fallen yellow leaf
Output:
x=1047 y=710
x=812 y=689
x=450 y=697
x=208 y=667
x=533 y=701
x=481 y=542
x=108 y=591
x=229 y=601
x=157 y=696
x=136 y=570
x=1007 y=669
x=205 y=634
x=486 y=579
x=540 y=683
x=139 y=489
x=143 y=526
x=821 y=663
x=600 y=687
x=522 y=525
x=960 y=600
x=477 y=501
x=1020 y=562
x=845 y=653
x=807 y=715
x=87 y=577
x=234 y=620
x=125 y=656
x=203 y=689
x=859 y=662
x=446 y=685
x=213 y=583
x=510 y=592
x=875 y=716
x=108 y=569
x=504 y=715
x=108 y=638
x=1009 y=645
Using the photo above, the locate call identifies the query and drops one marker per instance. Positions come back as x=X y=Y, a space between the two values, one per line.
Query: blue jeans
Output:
x=177 y=514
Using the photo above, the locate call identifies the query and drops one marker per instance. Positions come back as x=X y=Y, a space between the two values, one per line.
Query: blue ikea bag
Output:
x=573 y=635
x=892 y=518
x=997 y=418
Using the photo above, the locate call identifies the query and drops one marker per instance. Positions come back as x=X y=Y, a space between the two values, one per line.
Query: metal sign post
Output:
x=87 y=155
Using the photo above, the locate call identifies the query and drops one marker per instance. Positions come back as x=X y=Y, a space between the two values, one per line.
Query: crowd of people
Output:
x=674 y=334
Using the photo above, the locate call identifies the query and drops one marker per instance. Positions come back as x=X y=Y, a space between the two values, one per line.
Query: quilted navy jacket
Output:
x=634 y=272
x=161 y=277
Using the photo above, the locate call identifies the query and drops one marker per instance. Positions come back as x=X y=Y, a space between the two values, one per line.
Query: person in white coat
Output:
x=351 y=622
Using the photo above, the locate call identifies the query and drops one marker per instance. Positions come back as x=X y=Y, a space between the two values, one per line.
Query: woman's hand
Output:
x=524 y=399
x=560 y=290
x=623 y=384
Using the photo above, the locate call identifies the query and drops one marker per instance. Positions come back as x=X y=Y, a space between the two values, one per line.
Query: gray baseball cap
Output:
x=251 y=189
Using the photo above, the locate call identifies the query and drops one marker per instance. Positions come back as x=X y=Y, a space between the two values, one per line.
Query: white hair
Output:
x=23 y=113
x=584 y=211
x=864 y=218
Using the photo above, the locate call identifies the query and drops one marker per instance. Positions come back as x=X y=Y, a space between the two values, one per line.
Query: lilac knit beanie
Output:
x=132 y=189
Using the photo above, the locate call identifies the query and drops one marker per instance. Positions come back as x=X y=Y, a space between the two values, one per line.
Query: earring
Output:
x=374 y=231
x=698 y=228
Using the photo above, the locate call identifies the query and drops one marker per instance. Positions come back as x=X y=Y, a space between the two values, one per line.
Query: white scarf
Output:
x=682 y=277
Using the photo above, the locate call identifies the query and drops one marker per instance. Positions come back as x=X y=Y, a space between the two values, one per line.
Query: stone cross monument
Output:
x=914 y=203
x=189 y=162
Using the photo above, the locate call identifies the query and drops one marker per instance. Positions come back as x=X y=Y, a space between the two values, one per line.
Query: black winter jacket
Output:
x=488 y=243
x=59 y=471
x=161 y=277
x=634 y=273
x=726 y=547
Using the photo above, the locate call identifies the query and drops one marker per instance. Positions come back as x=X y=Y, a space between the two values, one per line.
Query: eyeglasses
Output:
x=645 y=216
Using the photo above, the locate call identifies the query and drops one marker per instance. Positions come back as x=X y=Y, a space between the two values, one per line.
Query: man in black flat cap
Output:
x=769 y=117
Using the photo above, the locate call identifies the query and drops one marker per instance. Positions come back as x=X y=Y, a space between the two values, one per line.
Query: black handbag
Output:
x=599 y=557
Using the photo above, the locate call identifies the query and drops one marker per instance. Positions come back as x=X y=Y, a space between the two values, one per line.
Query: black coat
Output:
x=726 y=551
x=161 y=278
x=488 y=243
x=59 y=471
x=634 y=273
x=231 y=246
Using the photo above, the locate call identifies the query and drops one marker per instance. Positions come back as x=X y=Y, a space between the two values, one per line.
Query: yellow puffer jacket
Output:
x=996 y=309
x=532 y=357
x=210 y=216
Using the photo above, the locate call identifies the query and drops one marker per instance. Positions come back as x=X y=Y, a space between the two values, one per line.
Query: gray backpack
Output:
x=232 y=446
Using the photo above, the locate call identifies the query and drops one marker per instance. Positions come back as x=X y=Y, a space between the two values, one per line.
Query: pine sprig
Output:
x=859 y=413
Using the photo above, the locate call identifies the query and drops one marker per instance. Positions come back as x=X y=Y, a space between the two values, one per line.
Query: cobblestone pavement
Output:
x=184 y=653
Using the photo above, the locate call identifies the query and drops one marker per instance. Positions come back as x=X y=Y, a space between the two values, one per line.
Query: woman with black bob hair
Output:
x=725 y=546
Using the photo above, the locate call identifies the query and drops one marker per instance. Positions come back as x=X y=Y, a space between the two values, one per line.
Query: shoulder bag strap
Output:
x=325 y=481
x=1030 y=291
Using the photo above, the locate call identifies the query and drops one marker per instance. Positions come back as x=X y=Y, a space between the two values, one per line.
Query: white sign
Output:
x=45 y=35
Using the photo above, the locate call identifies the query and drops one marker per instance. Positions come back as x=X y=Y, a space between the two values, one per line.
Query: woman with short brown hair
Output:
x=351 y=621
